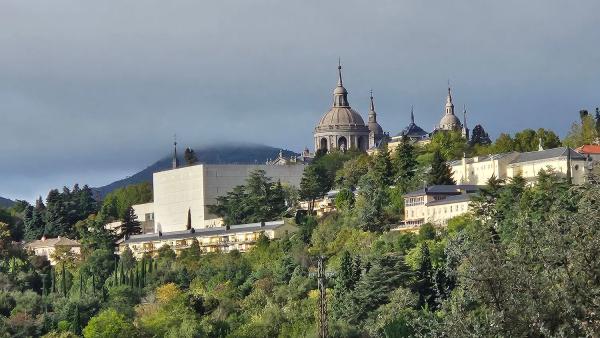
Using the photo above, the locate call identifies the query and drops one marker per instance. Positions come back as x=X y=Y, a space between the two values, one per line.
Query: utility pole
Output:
x=322 y=298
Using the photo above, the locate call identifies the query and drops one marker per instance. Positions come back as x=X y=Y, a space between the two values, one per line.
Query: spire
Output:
x=340 y=94
x=372 y=113
x=465 y=116
x=449 y=104
x=412 y=114
x=340 y=82
x=175 y=160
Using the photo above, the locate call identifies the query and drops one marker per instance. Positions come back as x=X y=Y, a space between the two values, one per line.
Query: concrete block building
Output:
x=187 y=192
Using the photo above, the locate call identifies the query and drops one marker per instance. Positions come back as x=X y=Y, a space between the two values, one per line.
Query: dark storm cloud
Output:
x=90 y=92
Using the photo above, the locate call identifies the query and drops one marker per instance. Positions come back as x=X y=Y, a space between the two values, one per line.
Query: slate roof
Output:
x=445 y=190
x=412 y=130
x=484 y=158
x=452 y=199
x=222 y=230
x=547 y=154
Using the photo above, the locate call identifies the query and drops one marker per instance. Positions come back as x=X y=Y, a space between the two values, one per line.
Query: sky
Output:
x=91 y=92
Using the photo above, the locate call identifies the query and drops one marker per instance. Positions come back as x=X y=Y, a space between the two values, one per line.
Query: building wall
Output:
x=175 y=192
x=479 y=172
x=196 y=187
x=145 y=215
x=417 y=211
x=48 y=251
x=240 y=240
x=530 y=170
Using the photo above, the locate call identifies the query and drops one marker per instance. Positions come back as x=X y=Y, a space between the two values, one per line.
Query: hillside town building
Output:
x=219 y=239
x=436 y=204
x=563 y=161
x=46 y=247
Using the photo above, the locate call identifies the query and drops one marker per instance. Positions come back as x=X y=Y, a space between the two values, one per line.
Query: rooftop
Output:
x=452 y=199
x=592 y=149
x=484 y=158
x=51 y=242
x=445 y=190
x=547 y=154
x=216 y=231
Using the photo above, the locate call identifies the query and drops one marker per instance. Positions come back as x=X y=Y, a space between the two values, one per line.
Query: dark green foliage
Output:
x=479 y=136
x=190 y=156
x=405 y=164
x=424 y=284
x=314 y=184
x=426 y=232
x=130 y=225
x=258 y=200
x=116 y=204
x=382 y=169
x=440 y=172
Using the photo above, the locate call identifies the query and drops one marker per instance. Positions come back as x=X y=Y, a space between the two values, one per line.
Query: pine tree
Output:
x=425 y=286
x=190 y=156
x=130 y=225
x=344 y=279
x=382 y=168
x=313 y=185
x=440 y=173
x=405 y=163
x=479 y=136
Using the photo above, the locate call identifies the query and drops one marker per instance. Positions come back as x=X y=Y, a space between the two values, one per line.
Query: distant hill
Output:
x=213 y=154
x=6 y=203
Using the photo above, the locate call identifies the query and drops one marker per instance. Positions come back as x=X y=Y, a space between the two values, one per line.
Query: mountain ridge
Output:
x=6 y=203
x=225 y=153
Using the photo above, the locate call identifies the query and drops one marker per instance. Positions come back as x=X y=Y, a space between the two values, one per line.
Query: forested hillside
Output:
x=524 y=262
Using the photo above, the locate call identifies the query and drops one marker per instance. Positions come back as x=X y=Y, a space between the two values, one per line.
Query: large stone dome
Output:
x=450 y=122
x=341 y=118
x=341 y=127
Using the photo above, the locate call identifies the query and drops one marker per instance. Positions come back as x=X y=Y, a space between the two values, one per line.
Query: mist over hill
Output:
x=6 y=203
x=212 y=154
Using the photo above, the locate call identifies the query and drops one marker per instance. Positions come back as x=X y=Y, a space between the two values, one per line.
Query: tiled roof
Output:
x=592 y=149
x=216 y=231
x=52 y=242
x=547 y=154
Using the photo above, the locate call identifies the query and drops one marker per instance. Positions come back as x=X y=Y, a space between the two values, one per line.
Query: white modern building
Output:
x=187 y=192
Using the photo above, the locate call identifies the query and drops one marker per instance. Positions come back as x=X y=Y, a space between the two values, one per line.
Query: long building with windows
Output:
x=240 y=237
x=436 y=204
x=562 y=161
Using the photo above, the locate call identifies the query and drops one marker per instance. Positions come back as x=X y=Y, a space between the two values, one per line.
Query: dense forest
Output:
x=523 y=262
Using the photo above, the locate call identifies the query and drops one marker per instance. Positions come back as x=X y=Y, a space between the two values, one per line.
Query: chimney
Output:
x=262 y=224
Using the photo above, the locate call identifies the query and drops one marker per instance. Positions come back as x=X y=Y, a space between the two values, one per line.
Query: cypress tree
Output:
x=440 y=173
x=131 y=278
x=93 y=284
x=52 y=280
x=122 y=275
x=116 y=271
x=64 y=280
x=76 y=323
x=80 y=283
